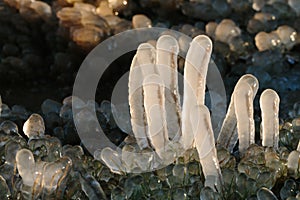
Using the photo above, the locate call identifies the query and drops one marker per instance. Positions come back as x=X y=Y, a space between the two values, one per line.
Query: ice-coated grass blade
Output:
x=136 y=104
x=205 y=144
x=154 y=103
x=228 y=135
x=243 y=105
x=195 y=71
x=166 y=63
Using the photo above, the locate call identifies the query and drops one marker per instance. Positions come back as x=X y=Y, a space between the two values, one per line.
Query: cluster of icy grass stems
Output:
x=159 y=122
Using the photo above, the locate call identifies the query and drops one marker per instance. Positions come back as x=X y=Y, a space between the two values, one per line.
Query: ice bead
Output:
x=26 y=166
x=265 y=194
x=295 y=4
x=46 y=148
x=87 y=37
x=293 y=163
x=132 y=185
x=69 y=16
x=296 y=125
x=66 y=113
x=34 y=126
x=112 y=159
x=289 y=189
x=265 y=41
x=258 y=4
x=141 y=21
x=49 y=106
x=73 y=152
x=11 y=149
x=122 y=117
x=210 y=29
x=5 y=111
x=226 y=31
x=207 y=194
x=91 y=187
x=288 y=36
x=9 y=127
x=19 y=111
x=4 y=189
x=42 y=9
x=179 y=194
x=53 y=173
x=104 y=9
x=261 y=22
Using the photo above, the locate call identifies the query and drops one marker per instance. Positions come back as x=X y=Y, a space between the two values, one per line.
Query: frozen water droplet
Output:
x=265 y=194
x=54 y=171
x=26 y=166
x=5 y=110
x=122 y=117
x=141 y=21
x=295 y=4
x=34 y=126
x=287 y=36
x=11 y=149
x=9 y=127
x=4 y=189
x=207 y=194
x=66 y=112
x=91 y=187
x=226 y=31
x=112 y=159
x=49 y=106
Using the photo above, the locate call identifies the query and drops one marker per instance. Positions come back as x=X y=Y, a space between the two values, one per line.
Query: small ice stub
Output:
x=195 y=71
x=34 y=126
x=269 y=105
x=205 y=144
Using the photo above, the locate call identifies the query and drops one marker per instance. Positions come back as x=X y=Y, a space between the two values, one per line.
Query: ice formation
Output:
x=40 y=177
x=196 y=65
x=156 y=113
x=284 y=37
x=155 y=104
